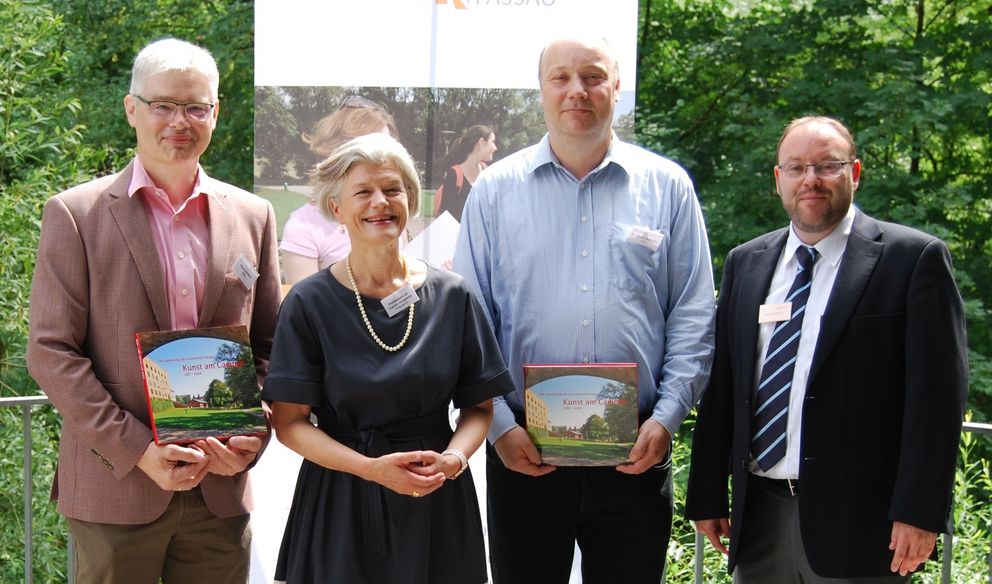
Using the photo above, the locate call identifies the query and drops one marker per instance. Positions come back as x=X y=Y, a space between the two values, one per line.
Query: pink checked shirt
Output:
x=181 y=237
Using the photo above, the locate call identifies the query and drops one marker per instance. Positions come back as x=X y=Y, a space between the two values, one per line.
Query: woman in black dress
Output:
x=384 y=494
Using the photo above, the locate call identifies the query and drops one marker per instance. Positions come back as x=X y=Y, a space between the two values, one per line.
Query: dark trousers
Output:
x=186 y=544
x=622 y=524
x=772 y=544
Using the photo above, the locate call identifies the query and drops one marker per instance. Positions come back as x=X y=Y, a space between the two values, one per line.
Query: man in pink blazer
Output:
x=158 y=246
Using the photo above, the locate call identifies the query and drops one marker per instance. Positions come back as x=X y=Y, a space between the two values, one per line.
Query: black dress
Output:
x=342 y=529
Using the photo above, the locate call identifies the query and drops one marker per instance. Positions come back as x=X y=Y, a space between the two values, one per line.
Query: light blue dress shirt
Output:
x=553 y=263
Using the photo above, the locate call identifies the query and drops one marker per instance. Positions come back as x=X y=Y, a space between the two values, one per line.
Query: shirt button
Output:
x=585 y=322
x=585 y=252
x=182 y=255
x=175 y=218
x=585 y=288
x=585 y=359
x=584 y=219
x=184 y=292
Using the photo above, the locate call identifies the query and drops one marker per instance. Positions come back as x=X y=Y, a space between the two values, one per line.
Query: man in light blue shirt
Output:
x=584 y=249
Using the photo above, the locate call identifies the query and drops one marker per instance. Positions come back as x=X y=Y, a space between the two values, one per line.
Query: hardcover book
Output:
x=200 y=383
x=582 y=414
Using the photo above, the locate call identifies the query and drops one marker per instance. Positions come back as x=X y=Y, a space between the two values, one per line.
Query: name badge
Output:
x=645 y=237
x=399 y=300
x=774 y=312
x=245 y=271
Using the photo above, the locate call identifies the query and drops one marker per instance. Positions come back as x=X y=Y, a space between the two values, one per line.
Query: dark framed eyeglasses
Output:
x=164 y=109
x=826 y=169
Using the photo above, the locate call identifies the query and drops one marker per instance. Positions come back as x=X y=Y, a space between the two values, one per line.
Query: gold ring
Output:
x=415 y=494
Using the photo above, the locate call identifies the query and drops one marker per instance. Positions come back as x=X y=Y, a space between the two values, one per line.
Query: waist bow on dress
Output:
x=373 y=442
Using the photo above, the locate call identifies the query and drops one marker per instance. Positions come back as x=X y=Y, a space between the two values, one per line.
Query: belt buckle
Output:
x=792 y=489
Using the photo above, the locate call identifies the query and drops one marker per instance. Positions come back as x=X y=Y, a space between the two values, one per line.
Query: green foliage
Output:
x=64 y=69
x=720 y=79
x=218 y=394
x=105 y=37
x=681 y=547
x=49 y=529
x=241 y=379
x=595 y=428
x=621 y=413
x=972 y=514
x=160 y=405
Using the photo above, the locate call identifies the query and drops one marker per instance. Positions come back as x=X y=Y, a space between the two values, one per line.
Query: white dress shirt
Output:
x=831 y=249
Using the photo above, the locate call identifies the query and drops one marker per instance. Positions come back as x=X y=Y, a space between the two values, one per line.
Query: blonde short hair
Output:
x=374 y=150
x=362 y=117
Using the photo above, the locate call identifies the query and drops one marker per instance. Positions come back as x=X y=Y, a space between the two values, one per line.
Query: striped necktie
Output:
x=772 y=401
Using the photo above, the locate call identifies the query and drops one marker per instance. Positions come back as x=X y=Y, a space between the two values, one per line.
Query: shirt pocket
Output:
x=634 y=268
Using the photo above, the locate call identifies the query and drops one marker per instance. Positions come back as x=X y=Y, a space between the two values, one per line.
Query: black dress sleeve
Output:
x=296 y=366
x=483 y=374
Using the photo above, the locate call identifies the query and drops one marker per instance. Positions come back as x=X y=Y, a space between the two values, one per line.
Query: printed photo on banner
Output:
x=456 y=83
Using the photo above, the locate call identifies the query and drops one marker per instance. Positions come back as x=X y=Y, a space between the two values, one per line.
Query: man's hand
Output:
x=653 y=442
x=912 y=547
x=519 y=454
x=715 y=530
x=173 y=467
x=231 y=458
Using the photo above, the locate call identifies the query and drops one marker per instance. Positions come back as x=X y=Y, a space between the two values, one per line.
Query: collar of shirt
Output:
x=140 y=179
x=831 y=248
x=544 y=155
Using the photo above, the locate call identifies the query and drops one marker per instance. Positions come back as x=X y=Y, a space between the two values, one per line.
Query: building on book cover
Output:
x=200 y=383
x=582 y=414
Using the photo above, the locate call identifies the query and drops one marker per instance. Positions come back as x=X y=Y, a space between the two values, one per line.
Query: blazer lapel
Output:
x=856 y=266
x=219 y=254
x=132 y=220
x=755 y=278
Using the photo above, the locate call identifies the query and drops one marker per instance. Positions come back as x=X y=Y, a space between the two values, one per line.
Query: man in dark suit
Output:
x=158 y=246
x=838 y=385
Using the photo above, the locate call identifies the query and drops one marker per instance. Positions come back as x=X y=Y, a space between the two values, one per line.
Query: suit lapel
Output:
x=755 y=278
x=132 y=220
x=857 y=264
x=219 y=255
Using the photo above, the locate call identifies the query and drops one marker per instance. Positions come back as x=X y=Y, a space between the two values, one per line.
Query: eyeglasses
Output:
x=827 y=169
x=358 y=102
x=165 y=109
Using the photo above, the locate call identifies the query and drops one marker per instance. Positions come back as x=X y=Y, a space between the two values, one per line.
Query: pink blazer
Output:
x=98 y=281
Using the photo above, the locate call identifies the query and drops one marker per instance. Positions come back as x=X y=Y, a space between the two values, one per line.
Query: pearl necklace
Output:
x=365 y=317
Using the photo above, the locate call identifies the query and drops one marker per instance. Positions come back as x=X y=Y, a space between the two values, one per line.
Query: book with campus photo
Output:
x=582 y=414
x=200 y=383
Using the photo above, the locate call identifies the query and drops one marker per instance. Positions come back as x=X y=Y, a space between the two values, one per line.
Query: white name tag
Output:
x=245 y=271
x=774 y=312
x=399 y=300
x=645 y=237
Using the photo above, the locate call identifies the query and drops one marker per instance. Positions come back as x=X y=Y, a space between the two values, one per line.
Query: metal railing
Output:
x=26 y=403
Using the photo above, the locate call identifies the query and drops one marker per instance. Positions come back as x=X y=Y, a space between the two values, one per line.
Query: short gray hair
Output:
x=374 y=150
x=171 y=54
